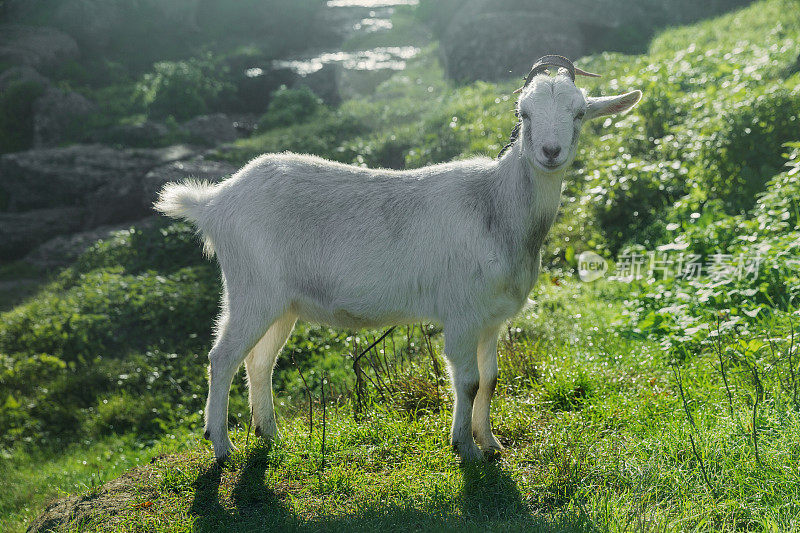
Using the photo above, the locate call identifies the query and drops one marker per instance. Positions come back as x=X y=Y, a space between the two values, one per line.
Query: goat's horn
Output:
x=580 y=72
x=550 y=61
x=554 y=61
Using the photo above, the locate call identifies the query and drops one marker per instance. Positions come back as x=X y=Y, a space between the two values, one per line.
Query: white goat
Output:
x=297 y=236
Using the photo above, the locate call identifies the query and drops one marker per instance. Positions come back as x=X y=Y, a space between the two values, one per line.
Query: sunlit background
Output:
x=108 y=310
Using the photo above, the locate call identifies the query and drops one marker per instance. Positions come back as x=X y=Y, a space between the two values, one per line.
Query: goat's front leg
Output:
x=487 y=366
x=461 y=349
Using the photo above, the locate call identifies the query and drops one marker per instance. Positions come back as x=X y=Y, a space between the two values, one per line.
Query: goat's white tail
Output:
x=184 y=200
x=188 y=200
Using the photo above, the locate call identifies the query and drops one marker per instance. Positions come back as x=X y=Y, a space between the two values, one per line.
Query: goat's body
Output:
x=297 y=236
x=353 y=247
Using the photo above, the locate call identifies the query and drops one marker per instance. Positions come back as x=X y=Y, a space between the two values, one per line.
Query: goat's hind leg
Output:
x=237 y=335
x=260 y=363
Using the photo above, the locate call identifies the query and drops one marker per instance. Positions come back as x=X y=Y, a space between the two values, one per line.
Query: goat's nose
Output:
x=551 y=152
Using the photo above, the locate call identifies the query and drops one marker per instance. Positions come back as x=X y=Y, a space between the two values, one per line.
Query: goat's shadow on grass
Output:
x=489 y=493
x=489 y=497
x=256 y=505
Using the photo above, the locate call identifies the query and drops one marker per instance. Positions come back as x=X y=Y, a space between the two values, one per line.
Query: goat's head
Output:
x=552 y=111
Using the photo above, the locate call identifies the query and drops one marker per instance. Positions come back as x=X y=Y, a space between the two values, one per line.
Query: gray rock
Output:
x=56 y=191
x=197 y=168
x=497 y=39
x=146 y=134
x=211 y=130
x=35 y=46
x=20 y=232
x=502 y=45
x=80 y=175
x=324 y=83
x=63 y=250
x=91 y=22
x=24 y=74
x=97 y=24
x=59 y=116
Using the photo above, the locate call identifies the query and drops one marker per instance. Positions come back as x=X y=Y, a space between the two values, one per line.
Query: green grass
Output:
x=618 y=458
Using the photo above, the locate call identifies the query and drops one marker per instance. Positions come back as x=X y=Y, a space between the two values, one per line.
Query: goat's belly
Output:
x=348 y=302
x=351 y=318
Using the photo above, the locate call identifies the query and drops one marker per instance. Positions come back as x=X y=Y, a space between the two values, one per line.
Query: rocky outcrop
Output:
x=63 y=250
x=211 y=130
x=56 y=191
x=59 y=116
x=503 y=45
x=86 y=190
x=23 y=74
x=497 y=39
x=145 y=134
x=35 y=46
x=56 y=177
x=20 y=231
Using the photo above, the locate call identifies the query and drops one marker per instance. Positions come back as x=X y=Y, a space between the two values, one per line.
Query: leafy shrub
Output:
x=290 y=106
x=164 y=247
x=182 y=89
x=744 y=151
x=22 y=381
x=637 y=192
x=16 y=115
x=682 y=312
x=110 y=314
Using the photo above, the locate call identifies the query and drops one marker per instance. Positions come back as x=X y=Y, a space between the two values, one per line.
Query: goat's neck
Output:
x=535 y=196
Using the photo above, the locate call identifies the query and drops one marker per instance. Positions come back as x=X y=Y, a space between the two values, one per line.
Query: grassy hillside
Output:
x=664 y=403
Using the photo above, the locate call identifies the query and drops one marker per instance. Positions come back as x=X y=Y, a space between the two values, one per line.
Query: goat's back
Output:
x=348 y=245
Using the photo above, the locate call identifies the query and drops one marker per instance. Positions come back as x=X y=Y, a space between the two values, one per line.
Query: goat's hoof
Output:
x=488 y=442
x=222 y=459
x=468 y=453
x=268 y=432
x=492 y=455
x=224 y=454
x=207 y=435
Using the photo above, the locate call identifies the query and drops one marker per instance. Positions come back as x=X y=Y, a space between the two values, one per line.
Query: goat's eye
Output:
x=525 y=116
x=580 y=115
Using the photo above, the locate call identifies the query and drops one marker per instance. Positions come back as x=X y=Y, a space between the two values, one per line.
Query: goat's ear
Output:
x=611 y=105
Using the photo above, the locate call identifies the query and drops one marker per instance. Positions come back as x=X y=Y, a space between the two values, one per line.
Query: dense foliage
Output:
x=16 y=115
x=182 y=89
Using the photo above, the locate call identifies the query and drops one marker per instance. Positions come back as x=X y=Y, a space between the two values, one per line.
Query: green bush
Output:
x=290 y=106
x=164 y=247
x=629 y=206
x=16 y=115
x=110 y=314
x=744 y=150
x=182 y=89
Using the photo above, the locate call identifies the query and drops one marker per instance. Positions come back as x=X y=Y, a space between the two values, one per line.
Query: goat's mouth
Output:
x=548 y=166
